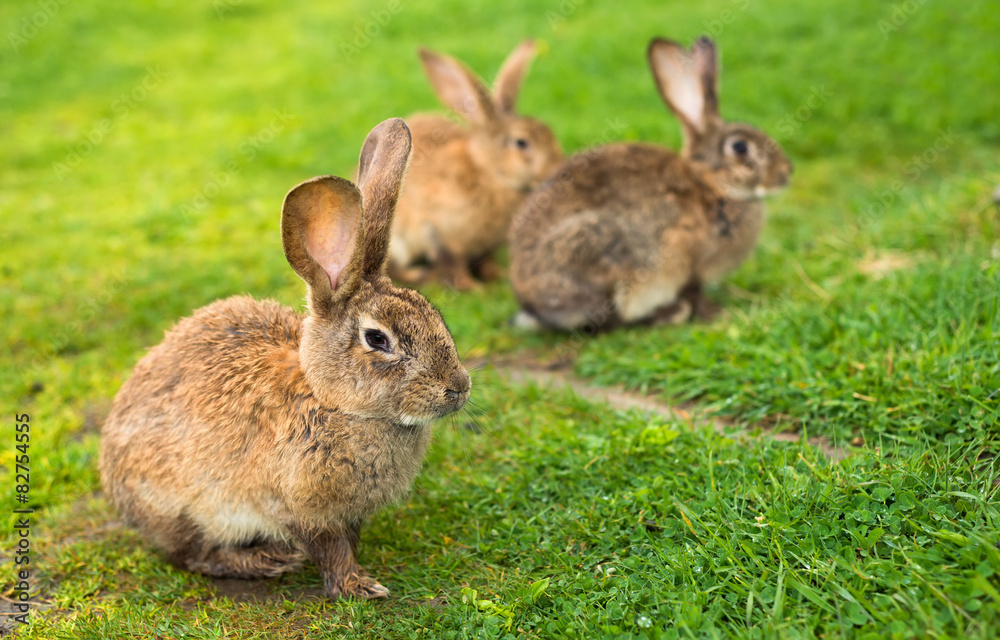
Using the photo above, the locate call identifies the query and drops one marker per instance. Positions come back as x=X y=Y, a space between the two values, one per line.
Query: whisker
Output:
x=485 y=420
x=477 y=343
x=479 y=366
x=467 y=454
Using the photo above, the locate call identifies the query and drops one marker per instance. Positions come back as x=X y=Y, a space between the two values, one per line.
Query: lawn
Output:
x=147 y=147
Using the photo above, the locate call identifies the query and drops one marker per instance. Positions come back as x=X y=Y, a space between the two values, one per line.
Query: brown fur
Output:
x=628 y=233
x=252 y=433
x=465 y=184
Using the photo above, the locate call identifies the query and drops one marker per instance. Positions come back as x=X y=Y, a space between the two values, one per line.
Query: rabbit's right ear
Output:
x=458 y=88
x=688 y=82
x=321 y=231
x=508 y=80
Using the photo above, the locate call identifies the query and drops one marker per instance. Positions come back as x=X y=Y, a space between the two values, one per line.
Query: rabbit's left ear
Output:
x=508 y=81
x=458 y=88
x=688 y=82
x=320 y=231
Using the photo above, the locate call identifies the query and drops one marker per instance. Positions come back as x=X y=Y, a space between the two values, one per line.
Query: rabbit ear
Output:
x=333 y=241
x=321 y=230
x=508 y=81
x=458 y=88
x=380 y=177
x=688 y=82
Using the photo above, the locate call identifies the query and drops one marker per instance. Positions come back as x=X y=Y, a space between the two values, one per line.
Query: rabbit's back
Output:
x=604 y=213
x=641 y=187
x=203 y=365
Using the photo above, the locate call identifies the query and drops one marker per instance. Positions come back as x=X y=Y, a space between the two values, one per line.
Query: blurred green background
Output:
x=146 y=151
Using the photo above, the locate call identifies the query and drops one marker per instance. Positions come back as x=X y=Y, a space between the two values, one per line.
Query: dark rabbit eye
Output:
x=521 y=143
x=740 y=147
x=377 y=340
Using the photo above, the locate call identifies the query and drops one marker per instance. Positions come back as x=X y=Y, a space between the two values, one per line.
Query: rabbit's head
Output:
x=742 y=161
x=518 y=151
x=368 y=348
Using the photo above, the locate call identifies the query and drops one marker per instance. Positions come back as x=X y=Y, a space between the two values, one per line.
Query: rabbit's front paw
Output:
x=355 y=585
x=370 y=589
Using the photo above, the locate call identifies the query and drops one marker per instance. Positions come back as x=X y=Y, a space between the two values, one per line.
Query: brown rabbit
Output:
x=629 y=233
x=252 y=433
x=465 y=184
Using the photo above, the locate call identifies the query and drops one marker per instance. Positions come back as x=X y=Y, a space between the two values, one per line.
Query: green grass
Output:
x=563 y=518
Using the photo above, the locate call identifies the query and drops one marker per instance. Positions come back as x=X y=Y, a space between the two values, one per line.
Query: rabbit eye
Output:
x=740 y=147
x=377 y=340
x=521 y=143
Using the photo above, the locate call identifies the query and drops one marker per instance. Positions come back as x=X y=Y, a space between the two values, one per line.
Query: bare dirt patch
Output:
x=556 y=375
x=260 y=591
x=879 y=264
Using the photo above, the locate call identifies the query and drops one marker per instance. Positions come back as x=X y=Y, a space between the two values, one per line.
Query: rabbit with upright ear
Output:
x=629 y=233
x=253 y=436
x=465 y=184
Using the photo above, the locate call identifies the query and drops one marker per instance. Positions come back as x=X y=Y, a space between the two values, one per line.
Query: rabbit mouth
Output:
x=409 y=422
x=454 y=401
x=753 y=193
x=761 y=191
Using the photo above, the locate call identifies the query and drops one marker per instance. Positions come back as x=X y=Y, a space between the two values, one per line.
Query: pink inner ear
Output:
x=686 y=92
x=330 y=241
x=683 y=85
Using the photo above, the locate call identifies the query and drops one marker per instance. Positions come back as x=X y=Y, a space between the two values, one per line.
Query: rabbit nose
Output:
x=459 y=385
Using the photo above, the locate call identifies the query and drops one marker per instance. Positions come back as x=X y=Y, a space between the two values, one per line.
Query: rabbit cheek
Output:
x=740 y=178
x=748 y=173
x=381 y=386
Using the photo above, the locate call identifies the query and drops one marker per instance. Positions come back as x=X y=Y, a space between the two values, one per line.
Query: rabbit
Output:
x=628 y=233
x=253 y=436
x=465 y=184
